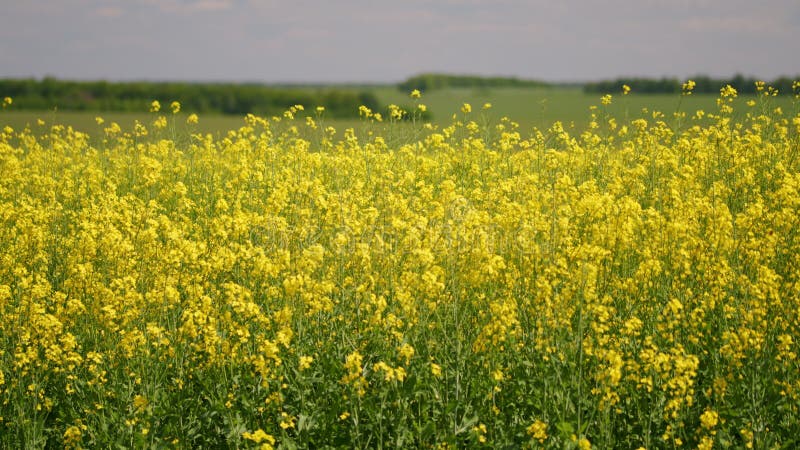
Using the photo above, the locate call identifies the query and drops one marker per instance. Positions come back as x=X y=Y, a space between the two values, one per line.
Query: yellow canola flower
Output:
x=113 y=129
x=538 y=430
x=258 y=437
x=140 y=403
x=709 y=419
x=287 y=421
x=139 y=129
x=155 y=106
x=728 y=91
x=416 y=93
x=436 y=370
x=72 y=437
x=406 y=351
x=480 y=431
x=175 y=107
x=160 y=122
x=395 y=112
x=390 y=373
x=688 y=87
x=305 y=362
x=497 y=375
x=582 y=442
x=706 y=443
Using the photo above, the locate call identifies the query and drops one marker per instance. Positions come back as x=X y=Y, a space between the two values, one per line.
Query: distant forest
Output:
x=432 y=81
x=339 y=101
x=703 y=85
x=224 y=98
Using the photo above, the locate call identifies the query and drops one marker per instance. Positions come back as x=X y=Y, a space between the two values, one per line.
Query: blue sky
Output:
x=383 y=41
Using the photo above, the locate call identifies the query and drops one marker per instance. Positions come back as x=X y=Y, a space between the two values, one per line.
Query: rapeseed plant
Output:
x=475 y=284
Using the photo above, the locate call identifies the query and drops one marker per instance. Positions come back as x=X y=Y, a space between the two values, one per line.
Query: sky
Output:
x=317 y=41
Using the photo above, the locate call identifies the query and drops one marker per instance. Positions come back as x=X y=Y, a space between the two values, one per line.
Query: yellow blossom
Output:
x=287 y=421
x=688 y=87
x=72 y=436
x=305 y=362
x=406 y=351
x=709 y=419
x=538 y=430
x=728 y=91
x=160 y=122
x=258 y=436
x=140 y=403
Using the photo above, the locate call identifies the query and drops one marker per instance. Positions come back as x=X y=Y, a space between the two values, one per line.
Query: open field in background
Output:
x=541 y=107
x=530 y=107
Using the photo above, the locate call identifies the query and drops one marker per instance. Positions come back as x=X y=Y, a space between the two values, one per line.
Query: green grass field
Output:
x=541 y=107
x=530 y=107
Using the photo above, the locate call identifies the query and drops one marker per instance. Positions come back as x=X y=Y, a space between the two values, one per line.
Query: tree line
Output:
x=432 y=81
x=703 y=85
x=223 y=98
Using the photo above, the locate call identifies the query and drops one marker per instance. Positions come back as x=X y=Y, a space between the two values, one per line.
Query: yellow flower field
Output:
x=291 y=285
